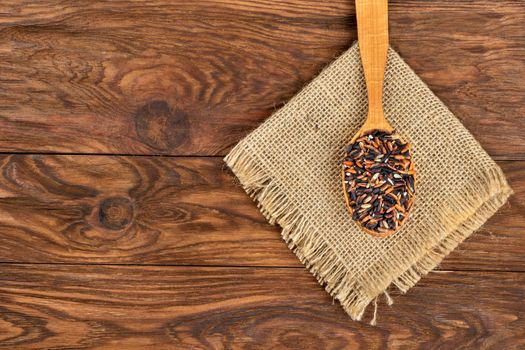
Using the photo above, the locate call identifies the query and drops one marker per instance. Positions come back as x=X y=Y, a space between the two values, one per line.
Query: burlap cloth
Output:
x=290 y=165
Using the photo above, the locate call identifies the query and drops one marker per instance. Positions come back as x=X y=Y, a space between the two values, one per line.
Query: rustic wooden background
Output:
x=120 y=227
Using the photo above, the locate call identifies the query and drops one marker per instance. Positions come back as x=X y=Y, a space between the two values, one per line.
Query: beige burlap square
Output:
x=290 y=165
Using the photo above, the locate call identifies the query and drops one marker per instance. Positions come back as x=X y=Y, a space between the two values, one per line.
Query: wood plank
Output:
x=192 y=78
x=104 y=307
x=158 y=210
x=96 y=209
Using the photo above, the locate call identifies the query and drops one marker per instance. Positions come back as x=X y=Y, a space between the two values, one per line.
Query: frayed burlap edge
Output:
x=490 y=191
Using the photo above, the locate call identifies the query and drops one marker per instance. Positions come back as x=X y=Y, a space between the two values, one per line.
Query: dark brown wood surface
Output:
x=114 y=117
x=193 y=77
x=117 y=307
x=179 y=211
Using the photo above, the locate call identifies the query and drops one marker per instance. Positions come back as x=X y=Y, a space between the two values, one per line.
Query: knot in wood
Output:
x=115 y=213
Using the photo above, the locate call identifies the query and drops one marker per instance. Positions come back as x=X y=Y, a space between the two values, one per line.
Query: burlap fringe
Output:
x=491 y=191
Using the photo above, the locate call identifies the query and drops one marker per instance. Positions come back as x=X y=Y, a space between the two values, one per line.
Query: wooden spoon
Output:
x=372 y=206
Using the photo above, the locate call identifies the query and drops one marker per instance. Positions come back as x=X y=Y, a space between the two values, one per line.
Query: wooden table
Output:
x=120 y=226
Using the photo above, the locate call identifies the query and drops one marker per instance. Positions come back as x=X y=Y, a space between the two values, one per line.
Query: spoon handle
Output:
x=372 y=31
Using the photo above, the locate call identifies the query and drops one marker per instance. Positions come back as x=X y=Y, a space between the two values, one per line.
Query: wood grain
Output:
x=95 y=209
x=176 y=77
x=158 y=210
x=192 y=78
x=218 y=308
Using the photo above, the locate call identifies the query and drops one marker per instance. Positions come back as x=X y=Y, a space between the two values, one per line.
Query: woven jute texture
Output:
x=291 y=167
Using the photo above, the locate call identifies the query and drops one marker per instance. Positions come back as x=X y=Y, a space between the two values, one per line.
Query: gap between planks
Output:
x=254 y=267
